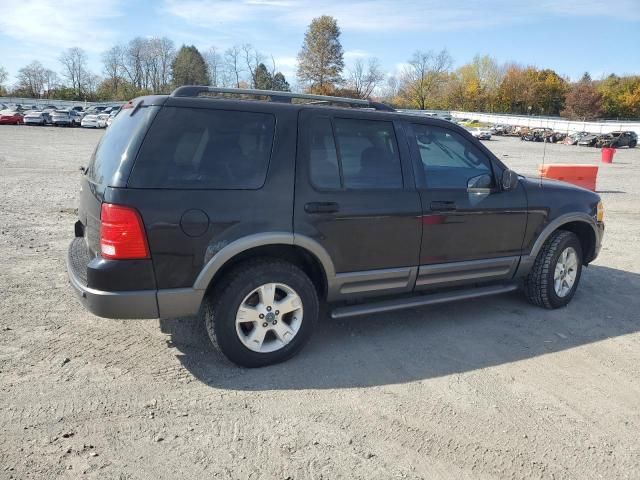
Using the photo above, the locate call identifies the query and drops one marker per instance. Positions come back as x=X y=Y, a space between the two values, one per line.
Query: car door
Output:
x=355 y=195
x=472 y=229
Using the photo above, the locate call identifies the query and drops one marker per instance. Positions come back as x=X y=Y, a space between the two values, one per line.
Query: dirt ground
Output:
x=488 y=389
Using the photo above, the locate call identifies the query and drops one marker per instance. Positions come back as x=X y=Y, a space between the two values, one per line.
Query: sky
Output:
x=569 y=36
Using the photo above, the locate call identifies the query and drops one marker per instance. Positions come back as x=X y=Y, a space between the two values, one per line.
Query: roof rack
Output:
x=277 y=96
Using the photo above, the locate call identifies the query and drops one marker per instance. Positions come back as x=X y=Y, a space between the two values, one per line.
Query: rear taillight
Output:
x=122 y=233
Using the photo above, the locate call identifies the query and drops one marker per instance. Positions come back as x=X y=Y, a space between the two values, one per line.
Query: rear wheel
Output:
x=555 y=275
x=264 y=314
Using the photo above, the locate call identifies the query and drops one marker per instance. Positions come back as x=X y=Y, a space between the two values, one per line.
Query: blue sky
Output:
x=570 y=36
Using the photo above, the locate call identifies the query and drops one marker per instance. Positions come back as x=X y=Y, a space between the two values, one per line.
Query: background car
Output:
x=588 y=140
x=572 y=139
x=11 y=117
x=481 y=133
x=36 y=118
x=62 y=118
x=93 y=120
x=617 y=139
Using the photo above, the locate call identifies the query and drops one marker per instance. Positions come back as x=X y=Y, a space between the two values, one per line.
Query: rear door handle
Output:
x=443 y=206
x=321 y=207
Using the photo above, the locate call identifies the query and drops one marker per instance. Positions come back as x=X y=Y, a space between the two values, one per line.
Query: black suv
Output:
x=252 y=211
x=617 y=139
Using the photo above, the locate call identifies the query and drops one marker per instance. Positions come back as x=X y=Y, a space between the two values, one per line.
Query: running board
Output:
x=419 y=301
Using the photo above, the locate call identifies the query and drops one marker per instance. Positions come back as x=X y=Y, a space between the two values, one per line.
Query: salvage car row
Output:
x=586 y=139
x=91 y=117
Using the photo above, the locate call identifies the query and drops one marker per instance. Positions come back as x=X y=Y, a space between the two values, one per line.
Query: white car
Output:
x=481 y=133
x=94 y=121
x=36 y=118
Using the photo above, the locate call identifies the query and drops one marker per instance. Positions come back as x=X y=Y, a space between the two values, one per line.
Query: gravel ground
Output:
x=489 y=389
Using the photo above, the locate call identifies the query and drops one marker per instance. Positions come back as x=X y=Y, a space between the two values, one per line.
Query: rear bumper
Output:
x=124 y=305
x=127 y=304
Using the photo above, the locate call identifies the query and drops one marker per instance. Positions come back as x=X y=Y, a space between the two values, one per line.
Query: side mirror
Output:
x=480 y=184
x=509 y=180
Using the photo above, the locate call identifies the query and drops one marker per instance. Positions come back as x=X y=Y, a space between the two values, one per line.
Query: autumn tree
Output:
x=584 y=101
x=425 y=77
x=620 y=96
x=189 y=68
x=320 y=60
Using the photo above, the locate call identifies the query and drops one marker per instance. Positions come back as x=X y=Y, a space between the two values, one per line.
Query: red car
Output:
x=10 y=118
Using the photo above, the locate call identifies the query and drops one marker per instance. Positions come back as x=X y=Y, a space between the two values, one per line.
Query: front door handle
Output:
x=443 y=206
x=321 y=207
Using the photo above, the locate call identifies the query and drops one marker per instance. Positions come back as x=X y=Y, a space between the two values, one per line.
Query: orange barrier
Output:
x=579 y=174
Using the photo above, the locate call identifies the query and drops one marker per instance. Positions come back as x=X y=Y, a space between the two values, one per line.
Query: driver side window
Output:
x=448 y=159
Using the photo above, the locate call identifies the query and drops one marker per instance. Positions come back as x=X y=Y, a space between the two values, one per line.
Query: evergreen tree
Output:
x=189 y=68
x=280 y=83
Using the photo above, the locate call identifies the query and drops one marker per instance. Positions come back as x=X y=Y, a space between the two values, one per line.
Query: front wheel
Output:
x=264 y=314
x=555 y=275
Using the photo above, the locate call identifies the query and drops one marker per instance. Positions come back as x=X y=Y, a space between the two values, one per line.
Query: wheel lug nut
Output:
x=275 y=321
x=277 y=312
x=268 y=309
x=265 y=324
x=261 y=316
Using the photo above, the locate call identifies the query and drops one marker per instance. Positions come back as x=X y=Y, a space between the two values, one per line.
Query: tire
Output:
x=540 y=286
x=240 y=288
x=632 y=144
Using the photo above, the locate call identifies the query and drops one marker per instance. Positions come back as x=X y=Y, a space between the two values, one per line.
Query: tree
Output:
x=189 y=68
x=583 y=101
x=215 y=66
x=3 y=78
x=36 y=81
x=424 y=77
x=320 y=61
x=262 y=78
x=233 y=65
x=363 y=79
x=74 y=63
x=280 y=83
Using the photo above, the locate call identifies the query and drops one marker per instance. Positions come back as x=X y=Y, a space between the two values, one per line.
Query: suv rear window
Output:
x=118 y=145
x=192 y=148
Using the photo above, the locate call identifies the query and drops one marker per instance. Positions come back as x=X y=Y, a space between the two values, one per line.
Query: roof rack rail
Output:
x=277 y=96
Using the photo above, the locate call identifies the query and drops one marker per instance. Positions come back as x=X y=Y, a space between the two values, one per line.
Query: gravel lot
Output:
x=489 y=389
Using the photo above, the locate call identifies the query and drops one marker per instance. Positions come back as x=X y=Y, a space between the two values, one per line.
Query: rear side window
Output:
x=368 y=153
x=363 y=154
x=119 y=144
x=193 y=148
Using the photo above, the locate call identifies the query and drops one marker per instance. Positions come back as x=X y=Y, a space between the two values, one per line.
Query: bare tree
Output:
x=3 y=77
x=165 y=52
x=364 y=78
x=252 y=59
x=74 y=64
x=112 y=60
x=50 y=82
x=215 y=66
x=233 y=64
x=425 y=74
x=31 y=79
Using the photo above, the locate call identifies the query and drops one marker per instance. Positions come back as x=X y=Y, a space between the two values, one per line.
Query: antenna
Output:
x=544 y=154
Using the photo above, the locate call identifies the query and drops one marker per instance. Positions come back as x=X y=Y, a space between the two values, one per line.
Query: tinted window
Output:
x=202 y=148
x=368 y=154
x=120 y=142
x=448 y=159
x=323 y=158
